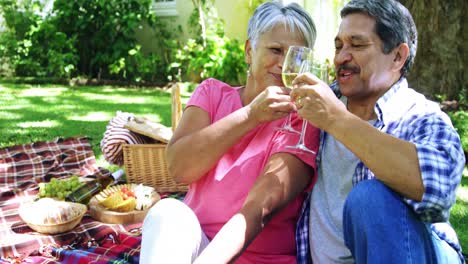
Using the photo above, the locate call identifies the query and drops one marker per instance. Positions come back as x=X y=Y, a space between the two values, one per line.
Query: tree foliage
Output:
x=31 y=46
x=104 y=30
x=94 y=38
x=210 y=53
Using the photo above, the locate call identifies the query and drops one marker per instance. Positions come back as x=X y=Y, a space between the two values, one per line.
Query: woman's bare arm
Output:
x=197 y=145
x=284 y=177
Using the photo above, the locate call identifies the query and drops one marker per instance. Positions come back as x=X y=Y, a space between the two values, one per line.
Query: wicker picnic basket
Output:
x=146 y=163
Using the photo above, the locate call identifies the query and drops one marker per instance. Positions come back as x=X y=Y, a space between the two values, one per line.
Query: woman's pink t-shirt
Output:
x=219 y=194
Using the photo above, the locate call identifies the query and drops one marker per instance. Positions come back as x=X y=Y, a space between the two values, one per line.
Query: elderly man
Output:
x=390 y=160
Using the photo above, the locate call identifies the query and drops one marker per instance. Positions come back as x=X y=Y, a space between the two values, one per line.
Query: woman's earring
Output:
x=248 y=71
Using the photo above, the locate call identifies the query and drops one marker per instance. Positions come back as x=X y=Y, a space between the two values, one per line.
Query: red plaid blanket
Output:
x=21 y=169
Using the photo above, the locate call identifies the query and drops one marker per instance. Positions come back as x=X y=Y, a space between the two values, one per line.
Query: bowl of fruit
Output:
x=123 y=203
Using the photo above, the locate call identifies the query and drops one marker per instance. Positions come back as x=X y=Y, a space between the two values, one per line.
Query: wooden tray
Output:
x=101 y=214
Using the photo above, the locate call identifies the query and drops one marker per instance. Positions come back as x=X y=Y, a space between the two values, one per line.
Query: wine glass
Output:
x=321 y=72
x=295 y=59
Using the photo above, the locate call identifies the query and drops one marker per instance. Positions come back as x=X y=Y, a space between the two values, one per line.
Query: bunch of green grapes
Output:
x=59 y=188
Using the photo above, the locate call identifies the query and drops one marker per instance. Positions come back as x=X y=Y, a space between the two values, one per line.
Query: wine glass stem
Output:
x=288 y=120
x=303 y=131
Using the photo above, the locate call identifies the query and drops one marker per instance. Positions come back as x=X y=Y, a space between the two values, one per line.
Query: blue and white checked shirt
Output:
x=408 y=115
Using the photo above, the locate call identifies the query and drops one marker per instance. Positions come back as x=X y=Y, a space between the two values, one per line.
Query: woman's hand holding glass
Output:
x=271 y=104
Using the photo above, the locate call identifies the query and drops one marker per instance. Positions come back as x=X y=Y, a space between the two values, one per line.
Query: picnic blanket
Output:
x=22 y=168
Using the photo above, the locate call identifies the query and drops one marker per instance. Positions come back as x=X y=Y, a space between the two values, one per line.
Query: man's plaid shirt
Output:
x=408 y=115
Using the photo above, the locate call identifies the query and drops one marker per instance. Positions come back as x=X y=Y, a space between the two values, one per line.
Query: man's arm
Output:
x=392 y=160
x=284 y=177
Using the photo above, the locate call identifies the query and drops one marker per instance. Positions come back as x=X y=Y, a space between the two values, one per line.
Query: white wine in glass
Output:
x=288 y=78
x=293 y=62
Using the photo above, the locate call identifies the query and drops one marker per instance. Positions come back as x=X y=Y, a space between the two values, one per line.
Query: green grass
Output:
x=459 y=213
x=31 y=113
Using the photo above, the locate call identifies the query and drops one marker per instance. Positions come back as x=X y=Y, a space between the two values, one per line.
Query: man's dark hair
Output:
x=393 y=24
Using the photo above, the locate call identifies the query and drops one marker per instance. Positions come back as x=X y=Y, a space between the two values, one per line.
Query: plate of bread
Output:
x=51 y=216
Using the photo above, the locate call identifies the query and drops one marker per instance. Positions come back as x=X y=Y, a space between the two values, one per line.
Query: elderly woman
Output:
x=246 y=187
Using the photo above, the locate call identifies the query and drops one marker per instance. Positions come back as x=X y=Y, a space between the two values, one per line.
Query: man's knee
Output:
x=370 y=198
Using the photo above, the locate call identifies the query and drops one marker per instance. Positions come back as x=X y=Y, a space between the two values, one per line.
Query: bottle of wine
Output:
x=89 y=189
x=85 y=192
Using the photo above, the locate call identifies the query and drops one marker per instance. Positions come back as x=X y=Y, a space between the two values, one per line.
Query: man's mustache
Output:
x=348 y=67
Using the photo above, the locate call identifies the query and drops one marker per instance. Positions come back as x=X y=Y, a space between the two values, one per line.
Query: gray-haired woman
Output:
x=246 y=187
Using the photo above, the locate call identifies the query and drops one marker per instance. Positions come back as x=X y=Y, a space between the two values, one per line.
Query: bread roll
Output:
x=49 y=211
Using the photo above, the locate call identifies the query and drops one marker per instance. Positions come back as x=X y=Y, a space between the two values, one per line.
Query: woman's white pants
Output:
x=171 y=234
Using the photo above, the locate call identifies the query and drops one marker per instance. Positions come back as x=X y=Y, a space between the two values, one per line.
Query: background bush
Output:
x=460 y=122
x=211 y=53
x=221 y=58
x=94 y=38
x=33 y=46
x=105 y=33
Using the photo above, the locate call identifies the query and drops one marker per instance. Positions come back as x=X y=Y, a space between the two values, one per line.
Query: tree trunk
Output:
x=440 y=64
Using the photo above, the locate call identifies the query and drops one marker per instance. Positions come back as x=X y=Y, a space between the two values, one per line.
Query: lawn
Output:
x=31 y=113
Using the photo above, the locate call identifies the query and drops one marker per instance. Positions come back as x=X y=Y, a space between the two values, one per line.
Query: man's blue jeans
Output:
x=380 y=228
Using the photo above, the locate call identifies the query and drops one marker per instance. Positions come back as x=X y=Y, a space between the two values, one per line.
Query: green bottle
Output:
x=91 y=188
x=85 y=192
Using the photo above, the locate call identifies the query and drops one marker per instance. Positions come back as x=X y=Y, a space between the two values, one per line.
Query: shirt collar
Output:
x=393 y=104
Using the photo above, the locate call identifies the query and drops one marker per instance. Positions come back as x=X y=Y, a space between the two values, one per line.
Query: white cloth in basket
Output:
x=116 y=135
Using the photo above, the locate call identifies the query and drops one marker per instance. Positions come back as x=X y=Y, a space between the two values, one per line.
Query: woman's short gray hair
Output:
x=269 y=14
